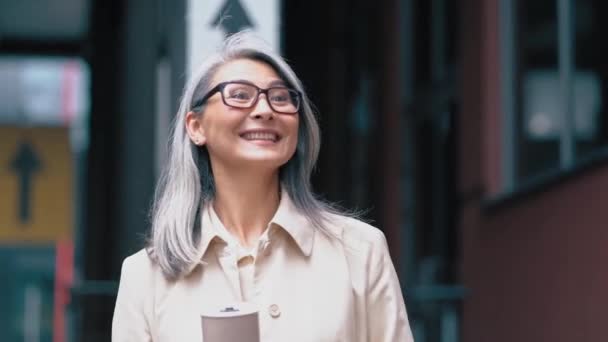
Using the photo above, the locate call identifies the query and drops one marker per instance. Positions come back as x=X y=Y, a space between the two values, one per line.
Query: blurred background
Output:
x=474 y=132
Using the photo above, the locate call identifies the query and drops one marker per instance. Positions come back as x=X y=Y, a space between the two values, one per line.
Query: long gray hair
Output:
x=186 y=184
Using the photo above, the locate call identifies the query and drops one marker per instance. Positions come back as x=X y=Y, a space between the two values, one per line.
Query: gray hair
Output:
x=186 y=184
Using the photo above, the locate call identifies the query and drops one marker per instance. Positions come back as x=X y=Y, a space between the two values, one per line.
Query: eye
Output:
x=239 y=95
x=280 y=95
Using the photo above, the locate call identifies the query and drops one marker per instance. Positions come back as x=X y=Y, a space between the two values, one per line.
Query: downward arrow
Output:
x=25 y=164
x=232 y=17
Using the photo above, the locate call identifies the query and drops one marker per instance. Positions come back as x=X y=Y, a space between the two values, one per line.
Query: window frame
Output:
x=510 y=144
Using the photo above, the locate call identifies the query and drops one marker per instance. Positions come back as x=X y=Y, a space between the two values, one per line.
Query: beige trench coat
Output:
x=307 y=285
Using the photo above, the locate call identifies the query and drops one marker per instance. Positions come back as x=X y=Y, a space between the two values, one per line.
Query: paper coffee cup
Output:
x=231 y=323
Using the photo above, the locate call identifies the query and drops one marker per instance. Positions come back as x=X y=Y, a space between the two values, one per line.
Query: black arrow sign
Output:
x=25 y=164
x=232 y=18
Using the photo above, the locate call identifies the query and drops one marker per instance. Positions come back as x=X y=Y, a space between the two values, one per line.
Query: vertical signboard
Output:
x=210 y=21
x=36 y=185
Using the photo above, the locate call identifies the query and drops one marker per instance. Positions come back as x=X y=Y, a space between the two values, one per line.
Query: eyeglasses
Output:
x=240 y=94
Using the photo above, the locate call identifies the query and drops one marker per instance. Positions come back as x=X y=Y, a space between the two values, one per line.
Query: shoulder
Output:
x=138 y=267
x=141 y=259
x=357 y=235
x=365 y=249
x=140 y=280
x=133 y=310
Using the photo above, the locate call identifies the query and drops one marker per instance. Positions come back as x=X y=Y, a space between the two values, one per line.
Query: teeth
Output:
x=260 y=136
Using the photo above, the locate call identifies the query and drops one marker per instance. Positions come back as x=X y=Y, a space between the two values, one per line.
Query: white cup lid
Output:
x=229 y=310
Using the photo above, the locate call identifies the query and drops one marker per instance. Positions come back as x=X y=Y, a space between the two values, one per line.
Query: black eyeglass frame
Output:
x=220 y=88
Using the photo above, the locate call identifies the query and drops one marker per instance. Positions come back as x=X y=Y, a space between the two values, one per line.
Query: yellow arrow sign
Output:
x=36 y=184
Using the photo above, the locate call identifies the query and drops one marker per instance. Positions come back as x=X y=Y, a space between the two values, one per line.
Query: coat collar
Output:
x=287 y=217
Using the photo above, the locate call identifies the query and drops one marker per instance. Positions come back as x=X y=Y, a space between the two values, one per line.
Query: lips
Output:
x=261 y=135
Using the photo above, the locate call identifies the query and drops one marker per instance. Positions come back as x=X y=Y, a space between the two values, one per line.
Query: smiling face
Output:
x=237 y=137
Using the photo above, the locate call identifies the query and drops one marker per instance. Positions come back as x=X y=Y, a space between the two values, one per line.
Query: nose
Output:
x=262 y=109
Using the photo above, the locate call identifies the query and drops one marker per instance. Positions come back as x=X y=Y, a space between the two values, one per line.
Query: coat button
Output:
x=274 y=311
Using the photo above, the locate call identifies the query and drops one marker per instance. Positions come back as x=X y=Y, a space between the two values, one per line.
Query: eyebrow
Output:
x=271 y=84
x=277 y=83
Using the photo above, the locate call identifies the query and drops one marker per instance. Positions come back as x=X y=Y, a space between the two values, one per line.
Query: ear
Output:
x=195 y=129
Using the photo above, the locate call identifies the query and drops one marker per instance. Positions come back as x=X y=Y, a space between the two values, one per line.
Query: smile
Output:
x=266 y=136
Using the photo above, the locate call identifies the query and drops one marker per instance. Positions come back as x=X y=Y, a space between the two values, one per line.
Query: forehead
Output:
x=255 y=71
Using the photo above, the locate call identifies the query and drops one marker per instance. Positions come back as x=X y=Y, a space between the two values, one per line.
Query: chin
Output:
x=263 y=160
x=273 y=162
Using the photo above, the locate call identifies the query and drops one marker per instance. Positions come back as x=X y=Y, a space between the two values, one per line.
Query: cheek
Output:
x=296 y=128
x=295 y=135
x=217 y=126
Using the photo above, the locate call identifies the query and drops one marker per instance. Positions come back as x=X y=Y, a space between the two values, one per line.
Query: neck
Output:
x=245 y=202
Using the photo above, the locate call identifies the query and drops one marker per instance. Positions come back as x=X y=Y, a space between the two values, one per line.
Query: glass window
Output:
x=537 y=88
x=559 y=85
x=591 y=83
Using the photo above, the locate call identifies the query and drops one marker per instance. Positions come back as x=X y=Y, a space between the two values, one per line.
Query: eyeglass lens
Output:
x=241 y=95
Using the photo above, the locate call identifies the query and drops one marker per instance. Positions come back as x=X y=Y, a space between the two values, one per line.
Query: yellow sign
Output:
x=36 y=184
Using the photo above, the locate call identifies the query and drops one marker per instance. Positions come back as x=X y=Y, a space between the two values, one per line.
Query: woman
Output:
x=235 y=220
